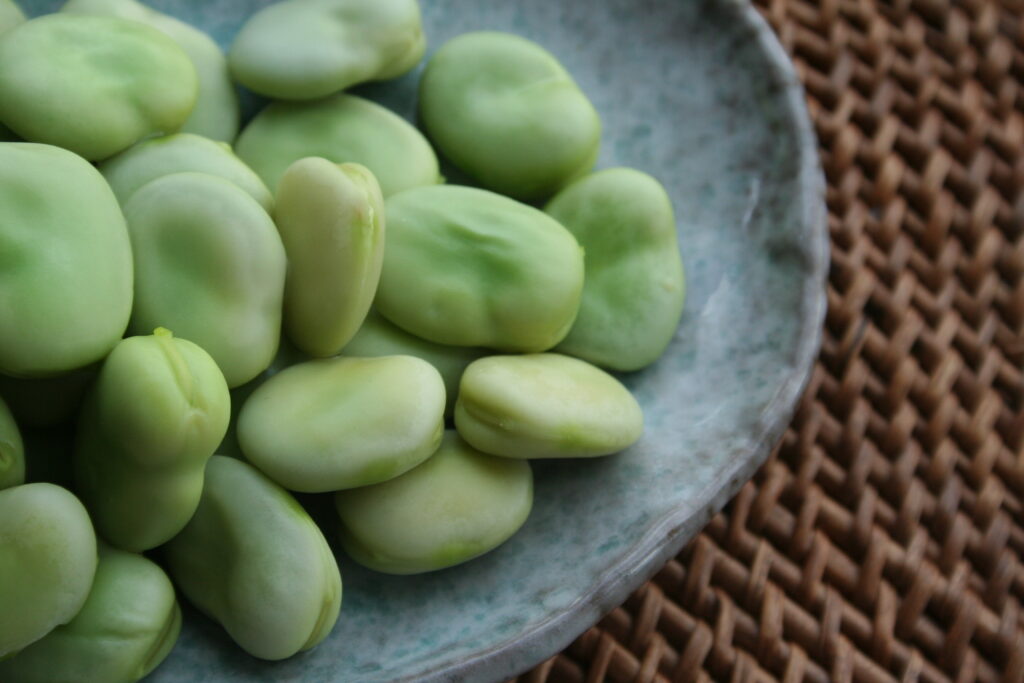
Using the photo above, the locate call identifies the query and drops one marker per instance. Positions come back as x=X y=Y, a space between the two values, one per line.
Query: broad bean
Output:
x=47 y=562
x=65 y=262
x=155 y=158
x=331 y=220
x=127 y=626
x=253 y=560
x=10 y=15
x=93 y=85
x=215 y=114
x=545 y=405
x=457 y=505
x=343 y=129
x=210 y=266
x=505 y=111
x=343 y=422
x=304 y=49
x=634 y=288
x=155 y=414
x=469 y=267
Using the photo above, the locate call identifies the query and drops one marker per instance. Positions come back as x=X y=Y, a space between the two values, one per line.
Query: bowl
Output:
x=699 y=94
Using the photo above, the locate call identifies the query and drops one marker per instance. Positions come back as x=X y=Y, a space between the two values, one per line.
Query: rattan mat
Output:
x=884 y=539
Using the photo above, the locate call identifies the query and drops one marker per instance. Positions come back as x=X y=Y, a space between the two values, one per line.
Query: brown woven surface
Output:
x=884 y=539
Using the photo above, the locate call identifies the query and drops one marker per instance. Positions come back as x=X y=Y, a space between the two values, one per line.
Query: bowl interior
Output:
x=697 y=94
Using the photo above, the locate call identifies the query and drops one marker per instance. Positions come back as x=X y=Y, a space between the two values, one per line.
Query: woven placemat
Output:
x=883 y=540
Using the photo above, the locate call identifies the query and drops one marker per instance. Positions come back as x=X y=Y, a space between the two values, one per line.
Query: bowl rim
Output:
x=667 y=536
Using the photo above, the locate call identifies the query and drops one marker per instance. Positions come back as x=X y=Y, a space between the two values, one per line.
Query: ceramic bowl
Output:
x=700 y=94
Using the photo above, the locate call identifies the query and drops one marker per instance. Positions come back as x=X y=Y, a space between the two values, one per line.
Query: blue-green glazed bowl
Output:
x=700 y=94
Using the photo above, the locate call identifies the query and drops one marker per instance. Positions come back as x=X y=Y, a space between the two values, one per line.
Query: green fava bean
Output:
x=634 y=289
x=304 y=49
x=65 y=262
x=545 y=405
x=152 y=419
x=125 y=629
x=12 y=450
x=343 y=129
x=343 y=422
x=472 y=268
x=378 y=337
x=505 y=111
x=215 y=114
x=93 y=85
x=47 y=401
x=47 y=562
x=456 y=506
x=10 y=15
x=210 y=266
x=253 y=560
x=179 y=153
x=331 y=220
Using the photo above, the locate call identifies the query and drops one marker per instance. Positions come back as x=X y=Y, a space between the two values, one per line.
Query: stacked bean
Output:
x=409 y=307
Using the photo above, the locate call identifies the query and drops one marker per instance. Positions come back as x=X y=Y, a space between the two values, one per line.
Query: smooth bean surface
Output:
x=10 y=15
x=331 y=220
x=215 y=114
x=127 y=626
x=155 y=414
x=253 y=560
x=12 y=450
x=378 y=337
x=65 y=262
x=93 y=85
x=457 y=505
x=505 y=111
x=304 y=49
x=634 y=288
x=545 y=405
x=473 y=268
x=343 y=422
x=210 y=266
x=344 y=129
x=158 y=157
x=47 y=562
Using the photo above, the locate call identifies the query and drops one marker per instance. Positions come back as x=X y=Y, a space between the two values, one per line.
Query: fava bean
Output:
x=545 y=405
x=304 y=49
x=156 y=412
x=215 y=114
x=470 y=267
x=378 y=337
x=634 y=287
x=47 y=562
x=331 y=221
x=93 y=85
x=505 y=111
x=178 y=153
x=10 y=15
x=253 y=560
x=12 y=450
x=209 y=265
x=127 y=626
x=343 y=129
x=457 y=505
x=343 y=422
x=65 y=262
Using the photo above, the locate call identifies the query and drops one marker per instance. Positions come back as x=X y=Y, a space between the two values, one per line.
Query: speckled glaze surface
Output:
x=698 y=93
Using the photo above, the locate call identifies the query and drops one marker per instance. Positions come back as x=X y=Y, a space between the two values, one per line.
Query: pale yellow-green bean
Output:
x=47 y=562
x=331 y=220
x=457 y=505
x=10 y=15
x=253 y=560
x=339 y=423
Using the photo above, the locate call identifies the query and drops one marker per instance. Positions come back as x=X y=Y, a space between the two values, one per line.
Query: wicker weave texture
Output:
x=884 y=539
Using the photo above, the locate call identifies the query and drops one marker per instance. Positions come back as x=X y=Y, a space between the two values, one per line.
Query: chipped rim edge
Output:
x=666 y=537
